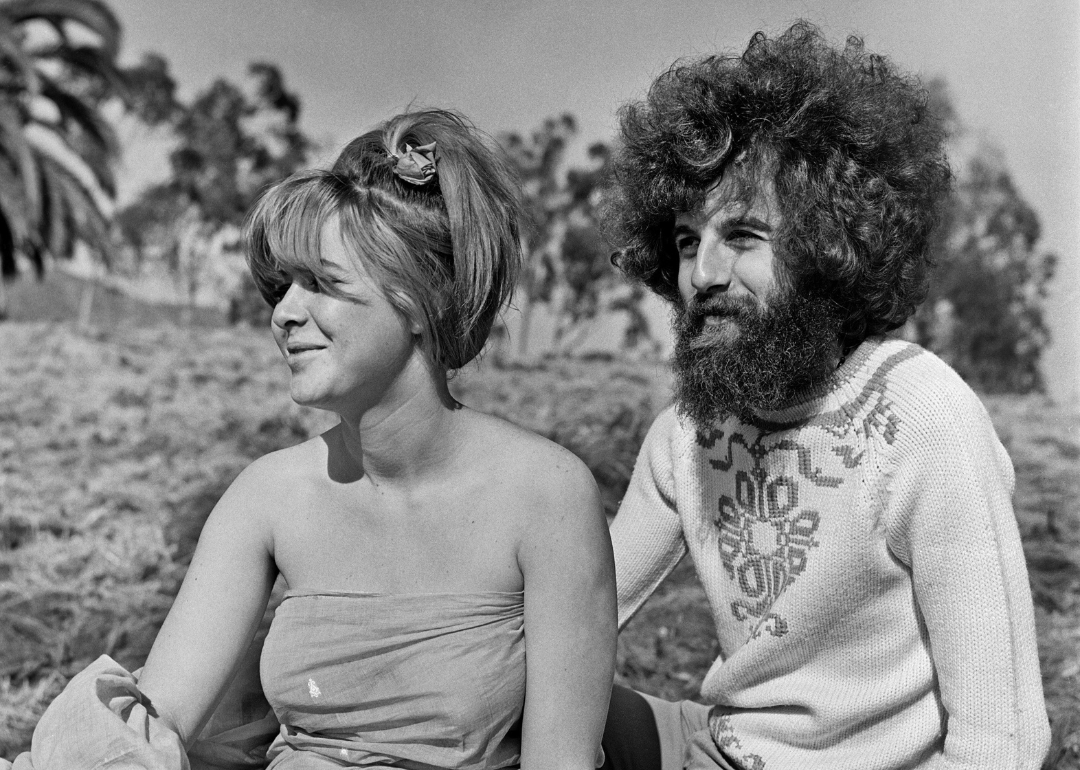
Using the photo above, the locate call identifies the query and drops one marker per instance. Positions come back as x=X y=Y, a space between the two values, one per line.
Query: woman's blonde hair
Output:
x=445 y=253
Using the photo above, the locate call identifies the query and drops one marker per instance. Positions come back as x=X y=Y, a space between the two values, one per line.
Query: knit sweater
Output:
x=864 y=571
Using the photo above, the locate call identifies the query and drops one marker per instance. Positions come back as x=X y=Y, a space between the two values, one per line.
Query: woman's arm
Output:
x=218 y=609
x=570 y=621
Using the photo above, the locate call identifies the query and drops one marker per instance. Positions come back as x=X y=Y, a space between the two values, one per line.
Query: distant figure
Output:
x=451 y=596
x=843 y=495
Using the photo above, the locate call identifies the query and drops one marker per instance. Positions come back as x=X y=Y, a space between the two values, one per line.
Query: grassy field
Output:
x=114 y=447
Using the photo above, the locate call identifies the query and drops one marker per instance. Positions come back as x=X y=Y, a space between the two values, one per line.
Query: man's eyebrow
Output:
x=682 y=227
x=747 y=221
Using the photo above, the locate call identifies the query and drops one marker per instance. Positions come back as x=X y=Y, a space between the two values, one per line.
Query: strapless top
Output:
x=415 y=681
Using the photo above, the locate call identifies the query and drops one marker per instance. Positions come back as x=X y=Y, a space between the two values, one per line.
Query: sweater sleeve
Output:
x=950 y=520
x=647 y=533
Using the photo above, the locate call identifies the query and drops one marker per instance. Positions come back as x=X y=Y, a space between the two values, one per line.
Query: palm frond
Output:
x=56 y=232
x=14 y=205
x=73 y=109
x=85 y=132
x=91 y=14
x=8 y=268
x=52 y=152
x=56 y=150
x=14 y=145
x=85 y=61
x=20 y=63
x=74 y=210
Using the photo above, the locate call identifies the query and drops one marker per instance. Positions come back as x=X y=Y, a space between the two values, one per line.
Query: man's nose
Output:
x=712 y=267
x=291 y=309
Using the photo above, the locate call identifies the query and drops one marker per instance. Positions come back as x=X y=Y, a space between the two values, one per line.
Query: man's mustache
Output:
x=697 y=310
x=698 y=335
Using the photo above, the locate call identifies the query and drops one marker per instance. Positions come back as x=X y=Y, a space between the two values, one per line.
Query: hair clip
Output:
x=415 y=166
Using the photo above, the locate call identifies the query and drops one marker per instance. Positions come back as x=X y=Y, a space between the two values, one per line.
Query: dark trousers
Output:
x=631 y=740
x=656 y=734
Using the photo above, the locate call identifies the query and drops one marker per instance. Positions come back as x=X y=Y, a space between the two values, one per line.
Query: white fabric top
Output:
x=863 y=567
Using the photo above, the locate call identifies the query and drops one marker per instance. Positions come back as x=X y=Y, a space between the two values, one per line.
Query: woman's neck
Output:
x=412 y=432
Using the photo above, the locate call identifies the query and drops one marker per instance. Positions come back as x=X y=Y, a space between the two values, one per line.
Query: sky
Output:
x=1012 y=69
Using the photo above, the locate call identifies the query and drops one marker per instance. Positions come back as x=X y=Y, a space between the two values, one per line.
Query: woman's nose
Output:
x=291 y=309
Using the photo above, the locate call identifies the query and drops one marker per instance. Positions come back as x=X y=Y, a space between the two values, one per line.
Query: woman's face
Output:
x=345 y=353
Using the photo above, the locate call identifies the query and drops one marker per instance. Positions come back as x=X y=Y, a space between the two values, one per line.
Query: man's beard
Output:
x=758 y=358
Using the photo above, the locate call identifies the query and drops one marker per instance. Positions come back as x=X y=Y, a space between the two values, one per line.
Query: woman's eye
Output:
x=308 y=282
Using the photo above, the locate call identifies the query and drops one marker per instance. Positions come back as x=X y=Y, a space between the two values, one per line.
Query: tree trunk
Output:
x=526 y=306
x=86 y=303
x=194 y=244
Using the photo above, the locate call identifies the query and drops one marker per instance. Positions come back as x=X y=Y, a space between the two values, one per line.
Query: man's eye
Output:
x=743 y=238
x=687 y=245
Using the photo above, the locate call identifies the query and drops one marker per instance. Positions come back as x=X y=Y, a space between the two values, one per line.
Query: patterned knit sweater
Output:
x=864 y=571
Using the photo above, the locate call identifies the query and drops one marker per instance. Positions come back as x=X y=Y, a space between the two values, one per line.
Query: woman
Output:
x=425 y=545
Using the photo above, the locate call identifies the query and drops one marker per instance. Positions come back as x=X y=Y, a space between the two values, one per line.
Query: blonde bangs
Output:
x=283 y=232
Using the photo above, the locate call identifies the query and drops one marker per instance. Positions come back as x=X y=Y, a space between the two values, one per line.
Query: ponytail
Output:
x=459 y=254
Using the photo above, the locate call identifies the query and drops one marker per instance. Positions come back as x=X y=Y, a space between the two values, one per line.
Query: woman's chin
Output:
x=306 y=395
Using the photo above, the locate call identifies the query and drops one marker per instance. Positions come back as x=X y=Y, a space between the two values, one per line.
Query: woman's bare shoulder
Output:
x=275 y=479
x=532 y=466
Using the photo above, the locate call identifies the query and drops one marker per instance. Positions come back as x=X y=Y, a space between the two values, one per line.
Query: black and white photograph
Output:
x=500 y=384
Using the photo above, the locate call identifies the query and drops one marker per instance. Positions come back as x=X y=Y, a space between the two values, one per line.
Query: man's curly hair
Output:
x=857 y=162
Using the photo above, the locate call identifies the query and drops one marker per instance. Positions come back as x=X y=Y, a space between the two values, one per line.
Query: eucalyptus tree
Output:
x=231 y=142
x=986 y=307
x=567 y=265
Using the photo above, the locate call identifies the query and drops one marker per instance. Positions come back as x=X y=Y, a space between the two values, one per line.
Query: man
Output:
x=843 y=496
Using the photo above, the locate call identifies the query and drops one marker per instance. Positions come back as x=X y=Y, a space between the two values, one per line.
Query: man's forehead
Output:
x=732 y=200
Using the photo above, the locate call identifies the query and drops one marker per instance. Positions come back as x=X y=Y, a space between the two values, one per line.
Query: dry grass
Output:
x=112 y=452
x=113 y=449
x=1044 y=443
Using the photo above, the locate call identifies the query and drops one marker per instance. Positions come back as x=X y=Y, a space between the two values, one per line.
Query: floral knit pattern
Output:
x=765 y=535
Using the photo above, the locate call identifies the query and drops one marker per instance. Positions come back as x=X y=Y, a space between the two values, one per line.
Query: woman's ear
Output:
x=403 y=304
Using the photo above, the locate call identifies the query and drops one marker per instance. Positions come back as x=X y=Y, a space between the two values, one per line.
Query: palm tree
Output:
x=57 y=68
